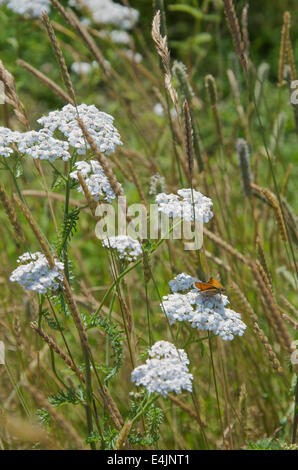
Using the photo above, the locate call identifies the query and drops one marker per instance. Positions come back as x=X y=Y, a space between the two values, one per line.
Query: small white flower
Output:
x=182 y=282
x=119 y=37
x=134 y=56
x=96 y=180
x=182 y=205
x=43 y=146
x=158 y=110
x=7 y=138
x=166 y=370
x=108 y=12
x=34 y=273
x=81 y=68
x=33 y=8
x=157 y=184
x=206 y=312
x=99 y=125
x=126 y=247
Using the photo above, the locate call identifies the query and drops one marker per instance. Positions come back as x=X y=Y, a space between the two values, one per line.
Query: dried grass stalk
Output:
x=120 y=443
x=291 y=322
x=234 y=27
x=90 y=200
x=186 y=408
x=12 y=216
x=164 y=53
x=226 y=246
x=280 y=330
x=53 y=345
x=112 y=408
x=36 y=230
x=263 y=259
x=18 y=332
x=188 y=138
x=212 y=92
x=273 y=202
x=258 y=331
x=46 y=81
x=245 y=34
x=59 y=56
x=11 y=96
x=283 y=48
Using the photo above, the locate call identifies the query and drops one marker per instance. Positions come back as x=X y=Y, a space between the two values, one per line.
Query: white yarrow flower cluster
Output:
x=43 y=146
x=99 y=125
x=108 y=12
x=7 y=138
x=134 y=56
x=158 y=110
x=182 y=282
x=166 y=371
x=95 y=179
x=118 y=37
x=34 y=273
x=126 y=247
x=33 y=8
x=157 y=184
x=203 y=311
x=81 y=68
x=183 y=206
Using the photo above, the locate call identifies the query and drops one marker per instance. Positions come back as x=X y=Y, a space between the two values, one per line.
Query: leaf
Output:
x=195 y=12
x=50 y=321
x=62 y=398
x=116 y=338
x=68 y=229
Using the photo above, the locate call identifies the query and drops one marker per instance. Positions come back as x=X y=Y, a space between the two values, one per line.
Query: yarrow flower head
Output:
x=34 y=273
x=166 y=371
x=7 y=138
x=157 y=184
x=108 y=12
x=95 y=179
x=118 y=37
x=158 y=110
x=186 y=204
x=182 y=282
x=203 y=311
x=81 y=68
x=42 y=145
x=126 y=247
x=99 y=125
x=33 y=8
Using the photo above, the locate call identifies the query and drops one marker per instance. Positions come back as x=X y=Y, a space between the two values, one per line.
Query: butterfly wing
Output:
x=210 y=287
x=203 y=286
x=215 y=283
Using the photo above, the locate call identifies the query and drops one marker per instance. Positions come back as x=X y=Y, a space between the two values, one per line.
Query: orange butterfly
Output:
x=211 y=287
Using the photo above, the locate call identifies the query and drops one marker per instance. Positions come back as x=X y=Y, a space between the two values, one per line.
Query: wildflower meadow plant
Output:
x=33 y=8
x=187 y=204
x=34 y=273
x=126 y=247
x=130 y=342
x=99 y=125
x=166 y=370
x=95 y=179
x=201 y=310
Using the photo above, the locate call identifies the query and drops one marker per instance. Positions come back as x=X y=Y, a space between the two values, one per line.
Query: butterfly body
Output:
x=212 y=287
